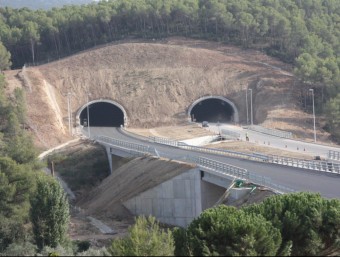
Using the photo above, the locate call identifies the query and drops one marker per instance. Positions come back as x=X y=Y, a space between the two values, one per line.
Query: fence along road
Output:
x=278 y=141
x=297 y=179
x=324 y=166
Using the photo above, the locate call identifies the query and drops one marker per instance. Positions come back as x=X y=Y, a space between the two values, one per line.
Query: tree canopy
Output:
x=309 y=224
x=296 y=224
x=49 y=213
x=226 y=231
x=145 y=238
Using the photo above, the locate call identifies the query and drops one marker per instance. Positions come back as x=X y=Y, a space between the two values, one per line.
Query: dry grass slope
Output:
x=157 y=81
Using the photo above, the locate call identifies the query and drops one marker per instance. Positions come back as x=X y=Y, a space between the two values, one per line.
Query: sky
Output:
x=41 y=4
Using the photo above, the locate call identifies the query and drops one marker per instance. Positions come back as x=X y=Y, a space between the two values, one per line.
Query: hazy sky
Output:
x=41 y=4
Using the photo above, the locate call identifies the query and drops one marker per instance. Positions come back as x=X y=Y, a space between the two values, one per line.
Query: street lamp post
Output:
x=88 y=115
x=251 y=106
x=247 y=106
x=312 y=90
x=69 y=112
x=219 y=128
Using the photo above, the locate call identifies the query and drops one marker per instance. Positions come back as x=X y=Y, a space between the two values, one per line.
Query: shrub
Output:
x=145 y=238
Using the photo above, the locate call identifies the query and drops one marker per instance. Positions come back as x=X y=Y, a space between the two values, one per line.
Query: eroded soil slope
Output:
x=156 y=82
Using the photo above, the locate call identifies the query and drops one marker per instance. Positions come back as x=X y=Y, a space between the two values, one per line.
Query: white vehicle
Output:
x=205 y=124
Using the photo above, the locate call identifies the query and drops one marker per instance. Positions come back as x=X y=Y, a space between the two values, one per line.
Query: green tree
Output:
x=31 y=32
x=20 y=105
x=333 y=116
x=309 y=224
x=145 y=238
x=21 y=149
x=5 y=58
x=306 y=67
x=12 y=231
x=16 y=185
x=49 y=213
x=224 y=230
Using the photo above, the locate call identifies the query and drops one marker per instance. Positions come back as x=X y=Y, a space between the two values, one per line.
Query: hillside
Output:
x=156 y=81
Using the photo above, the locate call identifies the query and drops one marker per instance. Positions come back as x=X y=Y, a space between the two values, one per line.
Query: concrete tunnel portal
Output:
x=213 y=109
x=102 y=113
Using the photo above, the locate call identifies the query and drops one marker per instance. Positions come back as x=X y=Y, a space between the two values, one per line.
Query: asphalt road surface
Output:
x=297 y=179
x=314 y=149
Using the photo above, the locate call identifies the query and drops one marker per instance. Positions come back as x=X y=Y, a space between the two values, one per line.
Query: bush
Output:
x=23 y=249
x=82 y=246
x=56 y=251
x=94 y=252
x=145 y=238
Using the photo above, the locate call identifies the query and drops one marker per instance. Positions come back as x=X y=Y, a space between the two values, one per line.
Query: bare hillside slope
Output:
x=157 y=81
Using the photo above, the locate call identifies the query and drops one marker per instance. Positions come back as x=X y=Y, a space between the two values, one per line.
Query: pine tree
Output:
x=5 y=56
x=224 y=230
x=309 y=224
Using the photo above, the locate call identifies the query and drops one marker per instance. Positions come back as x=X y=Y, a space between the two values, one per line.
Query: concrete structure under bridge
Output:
x=179 y=197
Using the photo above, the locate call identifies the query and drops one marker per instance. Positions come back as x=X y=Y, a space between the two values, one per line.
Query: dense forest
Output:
x=305 y=33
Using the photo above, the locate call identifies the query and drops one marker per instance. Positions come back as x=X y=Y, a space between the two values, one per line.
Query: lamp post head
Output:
x=312 y=90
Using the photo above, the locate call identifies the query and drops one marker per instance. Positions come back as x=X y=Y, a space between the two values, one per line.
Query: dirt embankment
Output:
x=131 y=179
x=157 y=81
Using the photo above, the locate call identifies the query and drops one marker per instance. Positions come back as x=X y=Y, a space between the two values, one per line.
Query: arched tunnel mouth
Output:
x=212 y=110
x=102 y=114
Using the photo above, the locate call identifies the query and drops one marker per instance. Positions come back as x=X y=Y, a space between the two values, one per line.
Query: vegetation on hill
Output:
x=145 y=238
x=33 y=207
x=297 y=224
x=305 y=33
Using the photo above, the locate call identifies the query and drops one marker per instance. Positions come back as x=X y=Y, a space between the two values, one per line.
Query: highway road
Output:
x=313 y=149
x=297 y=179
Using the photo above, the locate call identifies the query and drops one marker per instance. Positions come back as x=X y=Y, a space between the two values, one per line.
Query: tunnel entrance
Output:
x=101 y=114
x=213 y=109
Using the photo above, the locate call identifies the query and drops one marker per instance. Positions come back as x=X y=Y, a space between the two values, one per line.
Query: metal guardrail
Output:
x=219 y=167
x=323 y=166
x=223 y=168
x=334 y=155
x=164 y=141
x=128 y=146
x=273 y=132
x=240 y=173
x=220 y=151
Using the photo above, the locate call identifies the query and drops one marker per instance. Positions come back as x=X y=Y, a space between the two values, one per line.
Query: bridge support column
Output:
x=109 y=157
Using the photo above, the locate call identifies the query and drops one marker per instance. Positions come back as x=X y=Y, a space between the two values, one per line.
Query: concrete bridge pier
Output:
x=175 y=200
x=179 y=200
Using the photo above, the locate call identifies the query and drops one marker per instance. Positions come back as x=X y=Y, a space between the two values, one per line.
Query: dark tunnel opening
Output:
x=102 y=114
x=212 y=110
